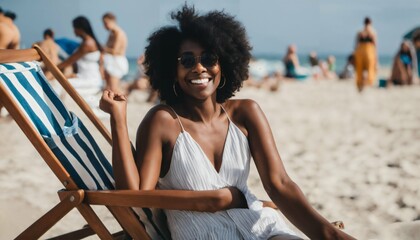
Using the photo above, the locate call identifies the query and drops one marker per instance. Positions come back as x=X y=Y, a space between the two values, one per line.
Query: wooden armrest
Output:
x=165 y=199
x=22 y=55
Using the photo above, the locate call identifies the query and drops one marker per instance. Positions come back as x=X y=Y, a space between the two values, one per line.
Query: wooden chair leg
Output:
x=43 y=224
x=126 y=217
x=94 y=222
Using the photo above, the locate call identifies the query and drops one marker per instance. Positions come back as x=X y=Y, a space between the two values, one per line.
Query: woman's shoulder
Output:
x=240 y=104
x=242 y=109
x=89 y=45
x=161 y=113
x=161 y=120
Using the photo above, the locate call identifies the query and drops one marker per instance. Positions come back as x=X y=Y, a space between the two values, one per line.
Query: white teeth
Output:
x=200 y=81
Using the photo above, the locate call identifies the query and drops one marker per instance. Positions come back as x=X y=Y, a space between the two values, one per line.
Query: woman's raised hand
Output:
x=113 y=103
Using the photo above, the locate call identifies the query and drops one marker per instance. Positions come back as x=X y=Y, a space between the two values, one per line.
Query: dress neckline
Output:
x=206 y=158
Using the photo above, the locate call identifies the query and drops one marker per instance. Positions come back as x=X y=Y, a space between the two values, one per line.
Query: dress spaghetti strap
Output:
x=177 y=117
x=226 y=113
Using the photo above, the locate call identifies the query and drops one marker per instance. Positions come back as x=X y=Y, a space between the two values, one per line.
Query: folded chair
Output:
x=72 y=154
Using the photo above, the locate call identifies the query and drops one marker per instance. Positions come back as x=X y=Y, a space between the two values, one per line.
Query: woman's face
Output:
x=77 y=31
x=108 y=23
x=200 y=80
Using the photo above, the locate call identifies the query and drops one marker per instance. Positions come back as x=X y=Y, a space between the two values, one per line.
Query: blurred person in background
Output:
x=9 y=34
x=365 y=55
x=115 y=61
x=348 y=71
x=291 y=64
x=402 y=67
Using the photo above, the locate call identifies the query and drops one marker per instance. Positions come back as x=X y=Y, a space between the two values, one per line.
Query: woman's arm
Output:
x=295 y=61
x=375 y=43
x=124 y=167
x=281 y=189
x=356 y=42
x=374 y=37
x=72 y=58
x=86 y=47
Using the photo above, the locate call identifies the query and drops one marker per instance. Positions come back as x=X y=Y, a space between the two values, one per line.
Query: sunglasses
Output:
x=207 y=59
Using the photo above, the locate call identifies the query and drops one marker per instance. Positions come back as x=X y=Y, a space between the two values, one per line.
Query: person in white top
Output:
x=87 y=58
x=202 y=142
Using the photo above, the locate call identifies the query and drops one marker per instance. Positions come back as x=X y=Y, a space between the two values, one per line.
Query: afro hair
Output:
x=215 y=31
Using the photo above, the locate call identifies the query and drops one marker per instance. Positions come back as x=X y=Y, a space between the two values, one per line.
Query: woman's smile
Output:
x=200 y=81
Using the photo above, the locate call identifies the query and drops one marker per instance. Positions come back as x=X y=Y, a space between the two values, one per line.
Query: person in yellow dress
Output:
x=365 y=56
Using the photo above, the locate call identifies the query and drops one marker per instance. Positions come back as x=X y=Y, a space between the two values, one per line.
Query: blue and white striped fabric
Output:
x=64 y=133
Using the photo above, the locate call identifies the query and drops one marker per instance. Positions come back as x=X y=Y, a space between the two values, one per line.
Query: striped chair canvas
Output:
x=63 y=132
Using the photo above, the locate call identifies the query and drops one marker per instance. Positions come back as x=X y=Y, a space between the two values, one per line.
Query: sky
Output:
x=325 y=26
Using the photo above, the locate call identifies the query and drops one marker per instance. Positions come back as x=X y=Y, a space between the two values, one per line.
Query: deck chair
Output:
x=72 y=154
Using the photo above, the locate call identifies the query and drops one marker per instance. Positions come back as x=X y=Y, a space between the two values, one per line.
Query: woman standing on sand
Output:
x=365 y=56
x=201 y=141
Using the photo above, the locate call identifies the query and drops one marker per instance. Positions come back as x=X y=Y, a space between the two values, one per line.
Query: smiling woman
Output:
x=201 y=142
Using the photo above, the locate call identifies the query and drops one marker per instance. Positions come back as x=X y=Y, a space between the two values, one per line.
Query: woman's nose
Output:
x=199 y=68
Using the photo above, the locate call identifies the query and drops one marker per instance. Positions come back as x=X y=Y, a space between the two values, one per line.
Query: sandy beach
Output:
x=355 y=156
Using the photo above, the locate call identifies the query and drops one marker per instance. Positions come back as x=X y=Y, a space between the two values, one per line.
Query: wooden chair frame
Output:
x=119 y=202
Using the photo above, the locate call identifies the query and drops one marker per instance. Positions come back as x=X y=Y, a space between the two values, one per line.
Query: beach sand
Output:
x=355 y=156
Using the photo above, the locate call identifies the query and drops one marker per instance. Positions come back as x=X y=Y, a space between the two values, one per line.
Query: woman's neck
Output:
x=202 y=111
x=368 y=28
x=84 y=36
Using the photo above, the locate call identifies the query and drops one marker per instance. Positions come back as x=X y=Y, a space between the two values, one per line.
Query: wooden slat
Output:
x=7 y=55
x=86 y=231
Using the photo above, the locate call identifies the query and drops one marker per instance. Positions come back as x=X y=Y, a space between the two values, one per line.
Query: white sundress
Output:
x=190 y=169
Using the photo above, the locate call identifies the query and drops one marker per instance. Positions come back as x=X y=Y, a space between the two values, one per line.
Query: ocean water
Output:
x=270 y=63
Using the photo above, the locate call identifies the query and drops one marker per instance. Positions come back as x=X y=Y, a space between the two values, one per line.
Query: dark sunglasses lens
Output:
x=187 y=60
x=208 y=59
